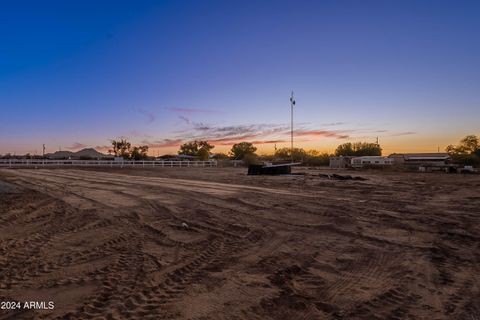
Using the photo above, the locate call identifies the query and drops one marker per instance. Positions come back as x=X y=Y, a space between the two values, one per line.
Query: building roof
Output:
x=422 y=156
x=370 y=157
x=269 y=165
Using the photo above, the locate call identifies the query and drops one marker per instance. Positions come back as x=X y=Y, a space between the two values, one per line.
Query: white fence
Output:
x=10 y=163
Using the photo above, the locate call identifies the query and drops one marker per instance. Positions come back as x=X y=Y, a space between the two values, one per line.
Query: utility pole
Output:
x=43 y=151
x=292 y=103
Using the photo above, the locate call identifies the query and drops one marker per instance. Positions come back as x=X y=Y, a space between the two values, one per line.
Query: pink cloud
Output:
x=76 y=146
x=165 y=143
x=256 y=133
x=398 y=134
x=338 y=134
x=103 y=149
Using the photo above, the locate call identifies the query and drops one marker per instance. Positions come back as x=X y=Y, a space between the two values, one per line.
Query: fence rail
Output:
x=102 y=163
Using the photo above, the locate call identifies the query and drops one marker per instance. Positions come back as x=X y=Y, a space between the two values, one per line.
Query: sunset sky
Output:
x=76 y=74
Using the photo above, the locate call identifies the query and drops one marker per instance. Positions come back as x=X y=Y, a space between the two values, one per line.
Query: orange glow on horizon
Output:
x=410 y=144
x=389 y=144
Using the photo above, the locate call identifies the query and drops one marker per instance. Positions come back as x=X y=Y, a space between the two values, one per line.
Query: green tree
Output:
x=315 y=158
x=242 y=149
x=345 y=149
x=468 y=145
x=139 y=153
x=121 y=148
x=200 y=149
x=467 y=152
x=220 y=156
x=203 y=154
x=250 y=158
x=358 y=149
x=285 y=153
x=189 y=149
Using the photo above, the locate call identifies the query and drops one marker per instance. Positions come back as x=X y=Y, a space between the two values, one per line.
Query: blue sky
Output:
x=80 y=73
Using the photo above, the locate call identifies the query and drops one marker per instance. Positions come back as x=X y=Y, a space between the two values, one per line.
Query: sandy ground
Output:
x=111 y=245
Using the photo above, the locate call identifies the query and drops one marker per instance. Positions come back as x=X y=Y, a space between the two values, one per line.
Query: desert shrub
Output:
x=242 y=149
x=200 y=149
x=358 y=149
x=250 y=158
x=467 y=152
x=286 y=153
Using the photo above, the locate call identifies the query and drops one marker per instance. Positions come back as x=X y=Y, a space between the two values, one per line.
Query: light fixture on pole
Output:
x=292 y=103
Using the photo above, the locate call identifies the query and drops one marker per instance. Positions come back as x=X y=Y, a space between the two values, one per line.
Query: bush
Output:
x=358 y=149
x=249 y=159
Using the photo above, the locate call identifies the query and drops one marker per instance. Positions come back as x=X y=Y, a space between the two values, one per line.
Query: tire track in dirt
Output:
x=166 y=183
x=314 y=257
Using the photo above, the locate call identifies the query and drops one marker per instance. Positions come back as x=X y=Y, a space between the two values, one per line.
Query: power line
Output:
x=292 y=103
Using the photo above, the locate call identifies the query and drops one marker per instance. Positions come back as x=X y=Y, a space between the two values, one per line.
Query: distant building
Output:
x=84 y=154
x=359 y=162
x=176 y=157
x=421 y=159
x=185 y=157
x=340 y=162
x=60 y=155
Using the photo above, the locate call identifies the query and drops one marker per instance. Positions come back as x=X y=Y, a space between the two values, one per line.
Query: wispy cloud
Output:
x=333 y=124
x=193 y=110
x=103 y=149
x=76 y=146
x=148 y=114
x=398 y=134
x=337 y=134
x=184 y=119
x=256 y=133
x=163 y=143
x=269 y=141
x=136 y=133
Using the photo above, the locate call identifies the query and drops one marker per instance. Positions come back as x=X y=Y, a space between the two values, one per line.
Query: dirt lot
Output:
x=216 y=244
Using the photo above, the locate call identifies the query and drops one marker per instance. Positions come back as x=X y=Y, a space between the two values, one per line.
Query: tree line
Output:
x=123 y=148
x=467 y=152
x=246 y=151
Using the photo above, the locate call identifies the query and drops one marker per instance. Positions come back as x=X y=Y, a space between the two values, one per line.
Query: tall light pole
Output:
x=292 y=103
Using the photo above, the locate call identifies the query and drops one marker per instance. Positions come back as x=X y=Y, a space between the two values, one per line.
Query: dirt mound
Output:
x=335 y=176
x=8 y=187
